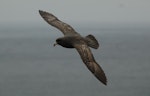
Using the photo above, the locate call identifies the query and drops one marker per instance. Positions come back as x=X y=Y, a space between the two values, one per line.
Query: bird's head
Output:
x=58 y=42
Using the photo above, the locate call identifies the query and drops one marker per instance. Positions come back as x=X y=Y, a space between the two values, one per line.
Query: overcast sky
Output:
x=95 y=11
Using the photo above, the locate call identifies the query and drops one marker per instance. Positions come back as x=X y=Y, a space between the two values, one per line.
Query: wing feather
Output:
x=54 y=21
x=90 y=62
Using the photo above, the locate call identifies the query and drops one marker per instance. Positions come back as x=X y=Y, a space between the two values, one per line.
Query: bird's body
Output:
x=72 y=39
x=63 y=41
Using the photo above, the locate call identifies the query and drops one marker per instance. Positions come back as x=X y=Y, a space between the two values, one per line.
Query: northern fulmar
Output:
x=72 y=39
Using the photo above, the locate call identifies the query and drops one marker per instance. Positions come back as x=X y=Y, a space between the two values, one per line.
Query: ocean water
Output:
x=31 y=66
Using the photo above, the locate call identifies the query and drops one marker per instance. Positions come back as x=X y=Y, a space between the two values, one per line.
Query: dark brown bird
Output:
x=72 y=39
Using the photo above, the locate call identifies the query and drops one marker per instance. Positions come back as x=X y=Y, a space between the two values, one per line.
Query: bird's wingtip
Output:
x=105 y=83
x=40 y=11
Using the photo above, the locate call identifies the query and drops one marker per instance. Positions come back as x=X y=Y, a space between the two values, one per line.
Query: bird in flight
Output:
x=72 y=39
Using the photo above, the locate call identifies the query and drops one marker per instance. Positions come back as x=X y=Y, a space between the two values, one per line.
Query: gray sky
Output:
x=77 y=11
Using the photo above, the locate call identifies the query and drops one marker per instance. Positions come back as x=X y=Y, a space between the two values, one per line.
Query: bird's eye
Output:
x=58 y=40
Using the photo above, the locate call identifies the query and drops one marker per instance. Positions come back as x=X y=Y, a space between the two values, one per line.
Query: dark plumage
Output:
x=72 y=39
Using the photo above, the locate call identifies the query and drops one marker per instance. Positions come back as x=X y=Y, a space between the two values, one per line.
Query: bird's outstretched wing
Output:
x=90 y=62
x=54 y=21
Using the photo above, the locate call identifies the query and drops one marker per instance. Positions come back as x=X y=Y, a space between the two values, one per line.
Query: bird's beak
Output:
x=55 y=44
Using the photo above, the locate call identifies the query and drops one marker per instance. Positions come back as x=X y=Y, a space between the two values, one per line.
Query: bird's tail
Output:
x=91 y=41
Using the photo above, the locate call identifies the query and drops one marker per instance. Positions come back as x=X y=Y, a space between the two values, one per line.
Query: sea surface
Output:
x=31 y=66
